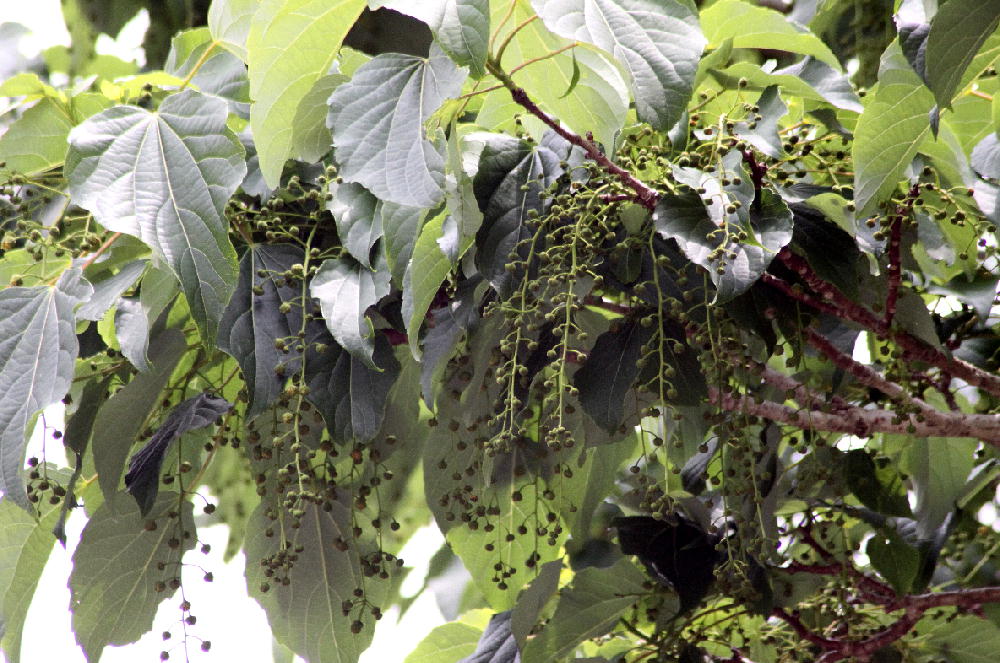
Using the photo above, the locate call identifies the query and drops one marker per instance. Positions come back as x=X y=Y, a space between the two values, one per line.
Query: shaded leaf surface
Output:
x=123 y=416
x=164 y=177
x=609 y=372
x=350 y=393
x=306 y=615
x=253 y=323
x=115 y=568
x=38 y=346
x=658 y=43
x=589 y=607
x=143 y=478
x=378 y=119
x=678 y=554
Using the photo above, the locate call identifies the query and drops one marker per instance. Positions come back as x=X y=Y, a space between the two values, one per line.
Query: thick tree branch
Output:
x=864 y=422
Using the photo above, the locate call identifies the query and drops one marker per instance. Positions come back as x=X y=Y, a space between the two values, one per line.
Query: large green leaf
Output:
x=508 y=186
x=290 y=46
x=939 y=469
x=254 y=322
x=580 y=86
x=24 y=550
x=658 y=42
x=346 y=290
x=424 y=276
x=229 y=23
x=378 y=120
x=306 y=614
x=36 y=141
x=587 y=608
x=889 y=131
x=116 y=568
x=350 y=393
x=751 y=26
x=609 y=372
x=124 y=415
x=965 y=639
x=810 y=79
x=958 y=30
x=461 y=27
x=165 y=177
x=38 y=346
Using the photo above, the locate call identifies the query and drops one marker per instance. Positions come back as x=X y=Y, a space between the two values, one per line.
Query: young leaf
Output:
x=290 y=46
x=115 y=569
x=346 y=290
x=751 y=26
x=38 y=346
x=658 y=43
x=143 y=478
x=378 y=120
x=305 y=615
x=229 y=22
x=164 y=177
x=598 y=101
x=36 y=141
x=957 y=31
x=424 y=276
x=460 y=27
x=889 y=131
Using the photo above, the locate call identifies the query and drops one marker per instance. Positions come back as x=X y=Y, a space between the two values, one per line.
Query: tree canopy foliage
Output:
x=682 y=335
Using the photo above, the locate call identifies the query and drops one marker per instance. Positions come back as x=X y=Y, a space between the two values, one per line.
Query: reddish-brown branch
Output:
x=894 y=272
x=803 y=632
x=644 y=195
x=864 y=422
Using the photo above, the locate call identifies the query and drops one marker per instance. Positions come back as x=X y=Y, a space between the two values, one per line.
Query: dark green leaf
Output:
x=879 y=487
x=894 y=560
x=350 y=394
x=115 y=567
x=609 y=372
x=678 y=553
x=37 y=349
x=164 y=177
x=532 y=601
x=506 y=165
x=589 y=607
x=253 y=324
x=143 y=478
x=378 y=119
x=658 y=43
x=123 y=416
